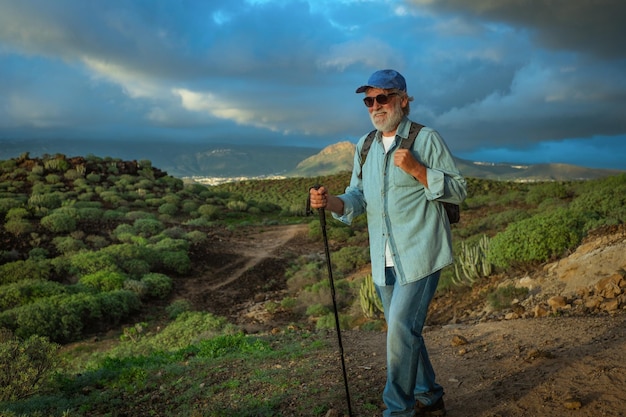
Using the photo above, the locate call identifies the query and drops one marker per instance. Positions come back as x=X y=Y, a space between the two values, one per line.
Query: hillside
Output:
x=493 y=363
x=176 y=299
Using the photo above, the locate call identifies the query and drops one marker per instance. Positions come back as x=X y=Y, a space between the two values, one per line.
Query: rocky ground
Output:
x=559 y=352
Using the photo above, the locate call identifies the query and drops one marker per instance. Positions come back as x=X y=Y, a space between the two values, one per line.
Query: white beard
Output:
x=388 y=121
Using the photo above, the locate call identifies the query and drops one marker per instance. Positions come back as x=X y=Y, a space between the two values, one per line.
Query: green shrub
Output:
x=175 y=232
x=540 y=192
x=24 y=269
x=188 y=328
x=157 y=285
x=26 y=291
x=59 y=222
x=317 y=310
x=83 y=263
x=349 y=258
x=38 y=254
x=7 y=204
x=189 y=207
x=603 y=202
x=90 y=213
x=112 y=197
x=209 y=210
x=53 y=179
x=132 y=258
x=496 y=221
x=303 y=274
x=123 y=232
x=340 y=232
x=176 y=261
x=136 y=286
x=178 y=307
x=196 y=236
x=537 y=239
x=17 y=213
x=104 y=280
x=168 y=208
x=329 y=322
x=45 y=200
x=236 y=205
x=63 y=318
x=113 y=214
x=72 y=174
x=93 y=178
x=147 y=227
x=18 y=227
x=68 y=245
x=169 y=244
x=320 y=293
x=135 y=267
x=24 y=365
x=136 y=215
x=198 y=222
x=97 y=242
x=117 y=305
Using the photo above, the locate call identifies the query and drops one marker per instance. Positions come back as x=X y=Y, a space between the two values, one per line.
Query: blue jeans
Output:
x=410 y=375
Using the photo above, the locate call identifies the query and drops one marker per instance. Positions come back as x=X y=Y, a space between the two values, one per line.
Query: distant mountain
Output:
x=181 y=159
x=339 y=157
x=530 y=172
x=331 y=160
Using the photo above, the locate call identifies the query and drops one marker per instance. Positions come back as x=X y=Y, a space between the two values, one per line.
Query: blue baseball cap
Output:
x=386 y=79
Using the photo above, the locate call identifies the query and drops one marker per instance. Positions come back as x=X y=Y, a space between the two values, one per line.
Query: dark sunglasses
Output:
x=381 y=99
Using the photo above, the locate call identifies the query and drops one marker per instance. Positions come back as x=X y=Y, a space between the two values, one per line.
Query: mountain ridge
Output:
x=221 y=160
x=340 y=156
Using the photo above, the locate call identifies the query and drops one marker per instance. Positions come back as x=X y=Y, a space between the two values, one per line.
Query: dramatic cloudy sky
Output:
x=502 y=80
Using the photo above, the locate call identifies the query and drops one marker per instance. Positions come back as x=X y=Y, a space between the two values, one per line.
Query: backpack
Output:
x=452 y=210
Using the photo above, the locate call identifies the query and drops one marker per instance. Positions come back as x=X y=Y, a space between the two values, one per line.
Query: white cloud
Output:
x=370 y=52
x=222 y=108
x=135 y=84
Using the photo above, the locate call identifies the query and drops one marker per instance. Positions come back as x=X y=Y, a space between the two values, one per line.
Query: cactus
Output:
x=484 y=245
x=371 y=304
x=471 y=263
x=81 y=169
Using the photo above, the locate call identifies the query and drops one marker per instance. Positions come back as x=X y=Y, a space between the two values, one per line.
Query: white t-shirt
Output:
x=387 y=142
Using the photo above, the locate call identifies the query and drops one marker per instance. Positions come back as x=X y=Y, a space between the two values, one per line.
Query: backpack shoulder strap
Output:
x=367 y=144
x=406 y=143
x=453 y=211
x=414 y=130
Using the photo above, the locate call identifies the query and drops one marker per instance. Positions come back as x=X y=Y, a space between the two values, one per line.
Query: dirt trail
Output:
x=236 y=270
x=257 y=247
x=549 y=367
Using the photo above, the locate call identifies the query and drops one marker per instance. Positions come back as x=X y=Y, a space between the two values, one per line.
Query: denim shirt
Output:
x=400 y=210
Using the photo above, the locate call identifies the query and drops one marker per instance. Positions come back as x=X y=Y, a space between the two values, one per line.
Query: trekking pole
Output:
x=322 y=215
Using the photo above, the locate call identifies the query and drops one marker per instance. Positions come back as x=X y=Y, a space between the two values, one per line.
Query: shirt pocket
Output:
x=401 y=178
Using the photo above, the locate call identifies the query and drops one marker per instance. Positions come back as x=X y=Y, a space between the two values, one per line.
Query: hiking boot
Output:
x=435 y=410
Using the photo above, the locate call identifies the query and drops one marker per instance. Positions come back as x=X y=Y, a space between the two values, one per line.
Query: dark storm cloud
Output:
x=593 y=27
